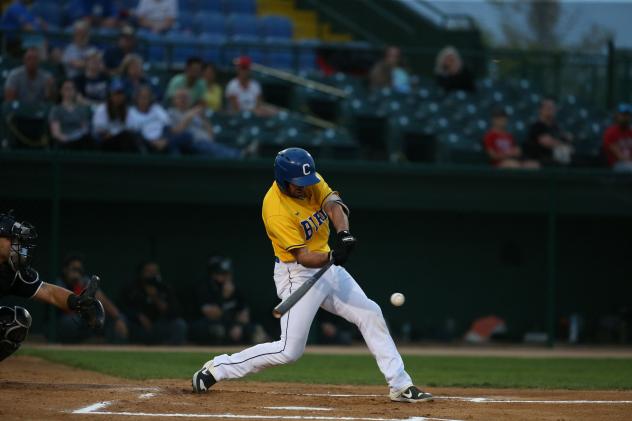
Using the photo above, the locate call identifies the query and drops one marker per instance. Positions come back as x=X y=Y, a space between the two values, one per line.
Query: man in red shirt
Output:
x=617 y=140
x=501 y=147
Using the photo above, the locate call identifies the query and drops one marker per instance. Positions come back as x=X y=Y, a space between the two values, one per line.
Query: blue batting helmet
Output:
x=296 y=166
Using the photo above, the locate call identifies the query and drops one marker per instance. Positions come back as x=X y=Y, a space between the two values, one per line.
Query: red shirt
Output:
x=615 y=135
x=498 y=142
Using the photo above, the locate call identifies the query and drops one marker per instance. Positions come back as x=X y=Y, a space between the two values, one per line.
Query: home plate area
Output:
x=284 y=401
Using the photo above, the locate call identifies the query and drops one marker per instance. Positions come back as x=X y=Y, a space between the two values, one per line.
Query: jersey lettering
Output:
x=307 y=227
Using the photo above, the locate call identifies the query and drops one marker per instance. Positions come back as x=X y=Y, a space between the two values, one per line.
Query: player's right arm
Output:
x=310 y=259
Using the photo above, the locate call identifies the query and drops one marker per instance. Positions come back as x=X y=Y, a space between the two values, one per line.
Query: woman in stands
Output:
x=214 y=92
x=69 y=121
x=110 y=121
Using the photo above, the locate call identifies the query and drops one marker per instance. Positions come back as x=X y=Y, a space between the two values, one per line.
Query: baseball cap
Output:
x=243 y=62
x=117 y=85
x=220 y=264
x=624 y=108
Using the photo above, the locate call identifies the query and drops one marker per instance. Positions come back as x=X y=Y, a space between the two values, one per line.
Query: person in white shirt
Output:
x=244 y=93
x=110 y=120
x=157 y=15
x=75 y=53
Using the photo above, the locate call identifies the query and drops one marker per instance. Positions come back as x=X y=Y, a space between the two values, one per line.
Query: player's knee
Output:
x=14 y=326
x=292 y=352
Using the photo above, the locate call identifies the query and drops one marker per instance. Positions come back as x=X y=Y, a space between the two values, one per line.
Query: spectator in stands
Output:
x=110 y=121
x=74 y=56
x=244 y=93
x=114 y=56
x=501 y=147
x=153 y=310
x=389 y=73
x=133 y=75
x=29 y=83
x=96 y=13
x=151 y=122
x=191 y=80
x=17 y=16
x=157 y=15
x=547 y=143
x=223 y=310
x=214 y=93
x=69 y=121
x=451 y=73
x=193 y=122
x=92 y=84
x=69 y=328
x=617 y=140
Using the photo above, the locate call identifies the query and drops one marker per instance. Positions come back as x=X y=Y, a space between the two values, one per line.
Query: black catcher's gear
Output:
x=89 y=308
x=22 y=236
x=14 y=325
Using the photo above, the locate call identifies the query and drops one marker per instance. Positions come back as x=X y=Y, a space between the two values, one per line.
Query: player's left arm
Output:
x=53 y=295
x=338 y=214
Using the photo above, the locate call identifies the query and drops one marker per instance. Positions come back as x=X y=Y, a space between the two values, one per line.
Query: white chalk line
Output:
x=298 y=408
x=469 y=399
x=95 y=409
x=146 y=395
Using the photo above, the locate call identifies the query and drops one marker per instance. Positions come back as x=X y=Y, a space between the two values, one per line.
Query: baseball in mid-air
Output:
x=397 y=299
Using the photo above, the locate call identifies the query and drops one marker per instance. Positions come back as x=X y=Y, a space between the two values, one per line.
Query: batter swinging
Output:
x=296 y=214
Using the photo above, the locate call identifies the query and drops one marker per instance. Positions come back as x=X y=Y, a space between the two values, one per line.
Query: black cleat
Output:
x=411 y=394
x=202 y=380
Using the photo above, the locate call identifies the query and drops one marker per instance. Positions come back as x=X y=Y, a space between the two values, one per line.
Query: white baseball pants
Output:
x=336 y=292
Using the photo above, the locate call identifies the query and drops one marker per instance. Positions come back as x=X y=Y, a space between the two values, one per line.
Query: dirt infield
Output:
x=33 y=389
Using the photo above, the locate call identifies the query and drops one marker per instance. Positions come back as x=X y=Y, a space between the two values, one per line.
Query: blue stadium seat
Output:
x=211 y=47
x=245 y=7
x=306 y=59
x=213 y=6
x=243 y=25
x=155 y=51
x=184 y=45
x=189 y=6
x=210 y=23
x=276 y=26
x=185 y=21
x=51 y=13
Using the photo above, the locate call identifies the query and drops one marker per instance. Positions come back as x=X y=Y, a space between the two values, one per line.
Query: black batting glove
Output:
x=345 y=242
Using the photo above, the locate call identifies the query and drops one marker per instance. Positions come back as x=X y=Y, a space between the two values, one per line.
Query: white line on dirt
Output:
x=472 y=399
x=146 y=395
x=299 y=408
x=91 y=409
x=95 y=409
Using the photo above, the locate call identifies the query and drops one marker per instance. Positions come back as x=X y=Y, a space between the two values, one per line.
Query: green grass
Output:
x=545 y=373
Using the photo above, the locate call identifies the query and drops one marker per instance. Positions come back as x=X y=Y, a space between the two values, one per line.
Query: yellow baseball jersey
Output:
x=294 y=223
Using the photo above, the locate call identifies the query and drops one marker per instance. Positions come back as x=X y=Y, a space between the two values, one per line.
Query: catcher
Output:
x=18 y=278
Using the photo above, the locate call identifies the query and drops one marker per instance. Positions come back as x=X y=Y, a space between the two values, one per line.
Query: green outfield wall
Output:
x=460 y=242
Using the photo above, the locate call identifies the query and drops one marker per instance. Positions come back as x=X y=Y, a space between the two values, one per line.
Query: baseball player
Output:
x=18 y=278
x=296 y=213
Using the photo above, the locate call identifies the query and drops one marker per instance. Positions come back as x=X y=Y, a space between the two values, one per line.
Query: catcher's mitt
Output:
x=89 y=308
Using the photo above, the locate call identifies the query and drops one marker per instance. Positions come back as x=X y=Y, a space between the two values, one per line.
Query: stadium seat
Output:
x=276 y=26
x=26 y=124
x=182 y=46
x=213 y=6
x=185 y=21
x=210 y=23
x=244 y=7
x=211 y=47
x=239 y=24
x=51 y=13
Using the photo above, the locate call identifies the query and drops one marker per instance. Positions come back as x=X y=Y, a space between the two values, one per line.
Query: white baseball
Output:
x=397 y=299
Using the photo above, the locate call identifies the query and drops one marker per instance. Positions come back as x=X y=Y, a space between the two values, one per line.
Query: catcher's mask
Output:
x=22 y=236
